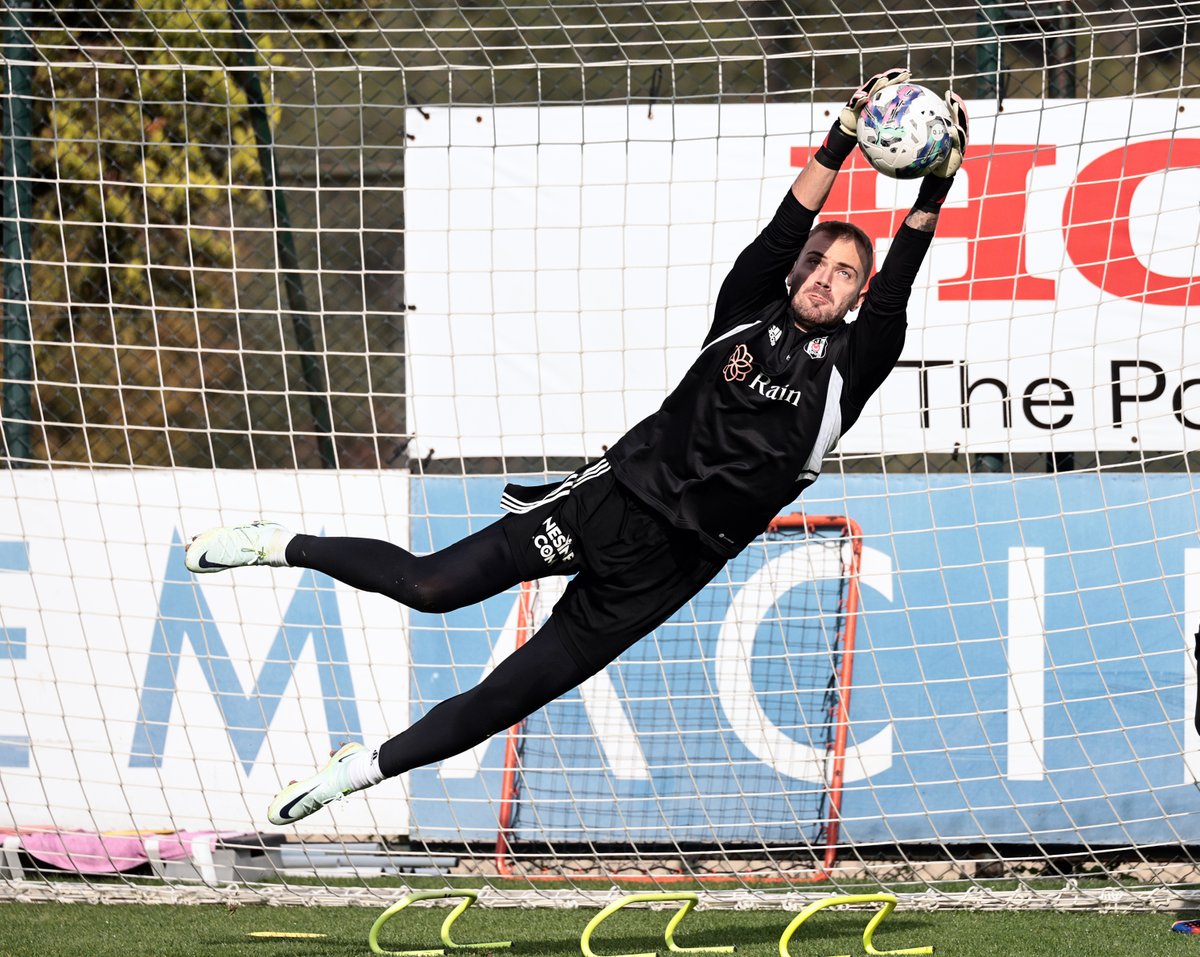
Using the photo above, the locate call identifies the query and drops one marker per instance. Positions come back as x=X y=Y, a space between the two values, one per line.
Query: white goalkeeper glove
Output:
x=935 y=185
x=842 y=138
x=958 y=137
x=848 y=118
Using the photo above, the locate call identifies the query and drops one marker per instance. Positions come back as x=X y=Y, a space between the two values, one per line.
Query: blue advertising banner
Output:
x=1021 y=675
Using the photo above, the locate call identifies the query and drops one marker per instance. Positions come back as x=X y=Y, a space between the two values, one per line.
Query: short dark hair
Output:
x=839 y=229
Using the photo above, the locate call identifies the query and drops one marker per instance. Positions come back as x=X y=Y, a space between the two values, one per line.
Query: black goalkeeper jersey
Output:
x=746 y=429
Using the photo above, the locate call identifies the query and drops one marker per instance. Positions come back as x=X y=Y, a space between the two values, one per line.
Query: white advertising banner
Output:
x=562 y=262
x=135 y=695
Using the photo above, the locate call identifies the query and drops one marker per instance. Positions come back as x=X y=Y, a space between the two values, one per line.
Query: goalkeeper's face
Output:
x=827 y=281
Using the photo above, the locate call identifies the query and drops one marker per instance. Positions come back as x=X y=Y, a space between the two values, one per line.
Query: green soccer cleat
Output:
x=233 y=546
x=301 y=798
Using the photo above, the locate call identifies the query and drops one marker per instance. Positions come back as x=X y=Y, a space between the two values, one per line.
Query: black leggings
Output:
x=531 y=677
x=479 y=566
x=468 y=571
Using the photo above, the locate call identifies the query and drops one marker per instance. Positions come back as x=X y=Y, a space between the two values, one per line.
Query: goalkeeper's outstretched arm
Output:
x=935 y=185
x=759 y=274
x=878 y=334
x=815 y=181
x=812 y=186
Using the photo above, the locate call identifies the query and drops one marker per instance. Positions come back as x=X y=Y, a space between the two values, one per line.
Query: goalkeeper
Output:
x=779 y=378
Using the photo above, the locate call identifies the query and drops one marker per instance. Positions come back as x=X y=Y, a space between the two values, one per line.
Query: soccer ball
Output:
x=904 y=130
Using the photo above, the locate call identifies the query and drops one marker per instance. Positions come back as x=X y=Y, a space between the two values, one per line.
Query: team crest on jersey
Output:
x=816 y=347
x=774 y=333
x=738 y=366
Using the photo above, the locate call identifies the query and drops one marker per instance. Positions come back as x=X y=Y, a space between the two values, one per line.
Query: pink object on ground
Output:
x=87 y=852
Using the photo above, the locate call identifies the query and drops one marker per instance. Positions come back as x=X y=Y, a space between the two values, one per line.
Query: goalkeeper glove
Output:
x=935 y=185
x=958 y=137
x=843 y=136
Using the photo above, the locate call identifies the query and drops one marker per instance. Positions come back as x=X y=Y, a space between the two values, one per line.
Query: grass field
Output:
x=129 y=930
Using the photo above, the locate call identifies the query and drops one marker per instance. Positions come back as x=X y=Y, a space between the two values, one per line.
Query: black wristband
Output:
x=932 y=193
x=837 y=146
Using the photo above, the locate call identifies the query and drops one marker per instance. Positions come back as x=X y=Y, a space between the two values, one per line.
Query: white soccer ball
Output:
x=904 y=130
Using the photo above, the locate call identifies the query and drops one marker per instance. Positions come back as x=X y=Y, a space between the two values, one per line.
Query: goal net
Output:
x=743 y=699
x=352 y=268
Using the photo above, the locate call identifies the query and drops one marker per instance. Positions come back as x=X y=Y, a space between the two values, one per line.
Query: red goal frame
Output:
x=510 y=792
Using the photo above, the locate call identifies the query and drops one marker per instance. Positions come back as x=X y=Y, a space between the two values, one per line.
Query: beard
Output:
x=808 y=315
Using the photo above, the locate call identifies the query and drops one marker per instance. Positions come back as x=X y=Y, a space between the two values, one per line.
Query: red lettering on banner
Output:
x=1096 y=222
x=993 y=221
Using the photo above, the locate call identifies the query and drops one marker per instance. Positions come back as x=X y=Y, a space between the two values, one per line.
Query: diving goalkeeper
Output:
x=779 y=378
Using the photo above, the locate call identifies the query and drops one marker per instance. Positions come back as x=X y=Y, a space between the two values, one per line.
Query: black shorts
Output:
x=632 y=568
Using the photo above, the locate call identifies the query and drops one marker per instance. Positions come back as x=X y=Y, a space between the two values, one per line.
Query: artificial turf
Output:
x=208 y=930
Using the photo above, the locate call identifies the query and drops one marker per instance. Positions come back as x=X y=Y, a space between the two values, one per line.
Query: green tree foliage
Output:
x=148 y=165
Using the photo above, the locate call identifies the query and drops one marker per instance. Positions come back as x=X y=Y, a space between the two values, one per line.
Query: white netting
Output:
x=713 y=745
x=353 y=267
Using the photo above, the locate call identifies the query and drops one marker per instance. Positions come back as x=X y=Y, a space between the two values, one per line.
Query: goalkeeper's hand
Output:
x=842 y=138
x=958 y=137
x=848 y=118
x=935 y=185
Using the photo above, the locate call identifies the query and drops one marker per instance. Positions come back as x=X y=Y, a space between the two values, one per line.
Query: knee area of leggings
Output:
x=427 y=597
x=424 y=587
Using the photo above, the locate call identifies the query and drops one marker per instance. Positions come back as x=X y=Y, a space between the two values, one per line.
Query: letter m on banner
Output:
x=184 y=616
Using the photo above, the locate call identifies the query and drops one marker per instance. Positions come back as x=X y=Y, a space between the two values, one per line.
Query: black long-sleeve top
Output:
x=747 y=428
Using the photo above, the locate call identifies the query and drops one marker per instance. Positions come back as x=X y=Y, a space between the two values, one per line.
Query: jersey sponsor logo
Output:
x=768 y=390
x=774 y=333
x=816 y=347
x=552 y=543
x=738 y=366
